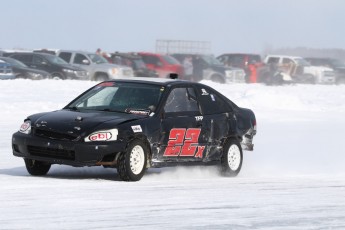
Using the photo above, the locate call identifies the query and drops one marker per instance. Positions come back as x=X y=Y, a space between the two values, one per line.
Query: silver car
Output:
x=98 y=67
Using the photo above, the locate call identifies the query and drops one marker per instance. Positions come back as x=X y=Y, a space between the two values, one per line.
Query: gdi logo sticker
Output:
x=100 y=136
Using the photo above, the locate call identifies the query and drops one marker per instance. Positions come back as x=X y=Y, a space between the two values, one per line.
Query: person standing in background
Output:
x=188 y=68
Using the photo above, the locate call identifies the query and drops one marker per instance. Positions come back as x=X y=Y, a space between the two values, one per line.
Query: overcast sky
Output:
x=135 y=25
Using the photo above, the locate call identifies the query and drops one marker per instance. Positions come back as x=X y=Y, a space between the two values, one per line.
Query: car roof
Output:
x=156 y=81
x=243 y=54
x=32 y=53
x=284 y=56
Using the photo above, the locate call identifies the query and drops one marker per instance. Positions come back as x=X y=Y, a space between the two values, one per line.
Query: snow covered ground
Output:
x=294 y=179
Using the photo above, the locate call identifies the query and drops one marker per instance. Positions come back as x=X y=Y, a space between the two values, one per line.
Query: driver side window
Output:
x=78 y=59
x=181 y=100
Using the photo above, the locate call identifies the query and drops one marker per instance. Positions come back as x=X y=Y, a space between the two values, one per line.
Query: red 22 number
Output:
x=184 y=143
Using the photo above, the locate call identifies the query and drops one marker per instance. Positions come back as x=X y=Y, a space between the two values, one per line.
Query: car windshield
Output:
x=337 y=63
x=55 y=59
x=170 y=60
x=302 y=62
x=140 y=64
x=97 y=59
x=211 y=60
x=137 y=98
x=14 y=62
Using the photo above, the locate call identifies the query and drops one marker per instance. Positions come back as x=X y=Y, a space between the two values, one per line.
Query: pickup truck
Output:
x=98 y=67
x=300 y=70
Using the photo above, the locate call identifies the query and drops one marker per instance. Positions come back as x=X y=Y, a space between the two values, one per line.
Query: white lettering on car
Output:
x=137 y=129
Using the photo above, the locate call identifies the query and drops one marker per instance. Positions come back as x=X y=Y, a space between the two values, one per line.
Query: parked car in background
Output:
x=337 y=65
x=163 y=64
x=6 y=71
x=300 y=70
x=134 y=61
x=58 y=68
x=250 y=63
x=98 y=67
x=20 y=70
x=212 y=69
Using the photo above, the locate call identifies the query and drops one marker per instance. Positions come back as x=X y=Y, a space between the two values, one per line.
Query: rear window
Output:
x=23 y=58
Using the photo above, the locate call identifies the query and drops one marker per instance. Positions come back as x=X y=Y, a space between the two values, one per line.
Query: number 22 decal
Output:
x=184 y=143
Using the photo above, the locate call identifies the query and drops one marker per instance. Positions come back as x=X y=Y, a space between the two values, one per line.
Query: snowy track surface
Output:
x=294 y=179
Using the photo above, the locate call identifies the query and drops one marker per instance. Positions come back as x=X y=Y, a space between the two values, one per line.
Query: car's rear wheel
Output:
x=57 y=76
x=231 y=161
x=37 y=168
x=132 y=163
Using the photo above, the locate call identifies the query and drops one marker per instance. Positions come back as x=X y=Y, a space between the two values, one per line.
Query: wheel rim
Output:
x=137 y=159
x=234 y=157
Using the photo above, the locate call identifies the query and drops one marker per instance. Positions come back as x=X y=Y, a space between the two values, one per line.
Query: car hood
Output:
x=68 y=66
x=75 y=123
x=318 y=68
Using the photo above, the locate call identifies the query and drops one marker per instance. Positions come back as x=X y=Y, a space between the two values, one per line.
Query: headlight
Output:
x=102 y=135
x=114 y=71
x=25 y=127
x=229 y=73
x=68 y=70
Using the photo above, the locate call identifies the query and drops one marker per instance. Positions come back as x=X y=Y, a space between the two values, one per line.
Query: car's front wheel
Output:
x=132 y=163
x=231 y=161
x=36 y=168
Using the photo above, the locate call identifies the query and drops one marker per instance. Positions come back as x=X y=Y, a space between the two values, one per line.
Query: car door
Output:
x=182 y=137
x=82 y=61
x=41 y=63
x=218 y=121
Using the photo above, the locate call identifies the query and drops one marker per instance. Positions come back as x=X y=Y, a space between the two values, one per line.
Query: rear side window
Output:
x=181 y=100
x=65 y=56
x=211 y=102
x=23 y=58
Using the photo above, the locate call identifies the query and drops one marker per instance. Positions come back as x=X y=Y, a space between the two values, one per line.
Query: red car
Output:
x=162 y=64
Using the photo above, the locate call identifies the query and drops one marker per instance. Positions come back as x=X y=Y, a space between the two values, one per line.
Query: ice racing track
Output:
x=294 y=179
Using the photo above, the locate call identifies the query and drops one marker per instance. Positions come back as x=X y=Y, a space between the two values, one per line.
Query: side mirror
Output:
x=159 y=64
x=86 y=62
x=44 y=63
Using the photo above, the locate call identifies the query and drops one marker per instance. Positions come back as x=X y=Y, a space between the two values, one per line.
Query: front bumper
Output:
x=63 y=152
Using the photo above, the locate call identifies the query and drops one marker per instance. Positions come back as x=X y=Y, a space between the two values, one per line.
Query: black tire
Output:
x=132 y=163
x=37 y=168
x=231 y=161
x=101 y=77
x=57 y=76
x=218 y=79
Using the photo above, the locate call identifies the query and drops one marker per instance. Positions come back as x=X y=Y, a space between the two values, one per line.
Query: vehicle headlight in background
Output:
x=102 y=135
x=114 y=71
x=25 y=127
x=229 y=73
x=68 y=70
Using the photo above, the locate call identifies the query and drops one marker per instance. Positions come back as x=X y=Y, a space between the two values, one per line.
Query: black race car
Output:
x=136 y=124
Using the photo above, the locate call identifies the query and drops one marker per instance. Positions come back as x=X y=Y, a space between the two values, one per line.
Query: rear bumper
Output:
x=63 y=152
